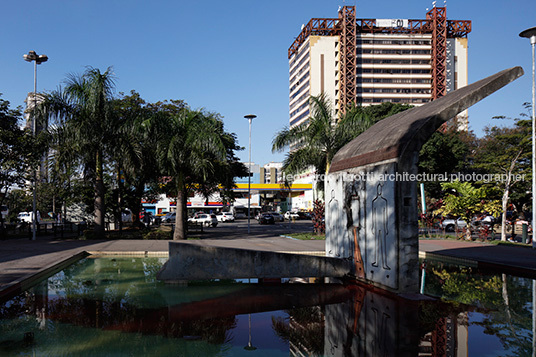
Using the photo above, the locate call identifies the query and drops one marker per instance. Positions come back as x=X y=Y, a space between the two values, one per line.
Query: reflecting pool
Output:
x=115 y=306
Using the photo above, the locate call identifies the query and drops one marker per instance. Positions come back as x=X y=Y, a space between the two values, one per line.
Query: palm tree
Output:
x=85 y=125
x=190 y=146
x=316 y=141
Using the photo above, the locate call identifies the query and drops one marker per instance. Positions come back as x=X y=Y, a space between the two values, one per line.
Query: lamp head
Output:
x=250 y=116
x=41 y=59
x=31 y=56
x=530 y=34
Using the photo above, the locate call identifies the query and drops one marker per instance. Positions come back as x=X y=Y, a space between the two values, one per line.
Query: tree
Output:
x=133 y=153
x=189 y=150
x=444 y=153
x=315 y=142
x=463 y=199
x=506 y=152
x=18 y=153
x=85 y=128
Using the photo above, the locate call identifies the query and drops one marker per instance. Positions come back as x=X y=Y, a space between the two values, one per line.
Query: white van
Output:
x=28 y=217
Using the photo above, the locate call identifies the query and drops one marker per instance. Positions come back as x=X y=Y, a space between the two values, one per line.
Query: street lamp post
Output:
x=249 y=117
x=531 y=34
x=37 y=59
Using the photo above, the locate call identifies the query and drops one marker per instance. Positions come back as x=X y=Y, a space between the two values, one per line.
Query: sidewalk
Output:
x=23 y=261
x=517 y=260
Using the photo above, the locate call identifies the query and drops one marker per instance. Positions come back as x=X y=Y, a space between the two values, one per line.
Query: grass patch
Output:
x=307 y=236
x=496 y=241
x=159 y=235
x=512 y=244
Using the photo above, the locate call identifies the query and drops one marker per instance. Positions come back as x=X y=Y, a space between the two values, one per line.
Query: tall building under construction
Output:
x=371 y=61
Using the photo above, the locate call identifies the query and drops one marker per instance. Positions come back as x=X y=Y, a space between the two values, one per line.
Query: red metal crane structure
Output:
x=347 y=27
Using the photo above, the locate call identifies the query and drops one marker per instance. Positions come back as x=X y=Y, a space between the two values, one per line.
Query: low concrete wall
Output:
x=193 y=262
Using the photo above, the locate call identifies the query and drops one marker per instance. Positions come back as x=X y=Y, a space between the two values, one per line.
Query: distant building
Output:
x=31 y=102
x=255 y=174
x=271 y=173
x=268 y=193
x=371 y=61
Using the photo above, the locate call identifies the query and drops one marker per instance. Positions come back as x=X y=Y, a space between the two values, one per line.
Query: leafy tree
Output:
x=444 y=153
x=378 y=111
x=315 y=142
x=133 y=152
x=19 y=201
x=464 y=200
x=506 y=152
x=18 y=154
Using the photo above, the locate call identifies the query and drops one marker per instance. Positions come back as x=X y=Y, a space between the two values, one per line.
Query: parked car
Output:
x=169 y=217
x=278 y=217
x=266 y=218
x=484 y=219
x=449 y=225
x=304 y=215
x=291 y=215
x=197 y=214
x=205 y=219
x=28 y=217
x=225 y=217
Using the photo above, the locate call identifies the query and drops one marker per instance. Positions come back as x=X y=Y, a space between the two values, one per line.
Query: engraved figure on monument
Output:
x=333 y=222
x=379 y=226
x=381 y=326
x=353 y=207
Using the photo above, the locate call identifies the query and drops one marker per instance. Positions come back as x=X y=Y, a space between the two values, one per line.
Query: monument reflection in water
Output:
x=103 y=306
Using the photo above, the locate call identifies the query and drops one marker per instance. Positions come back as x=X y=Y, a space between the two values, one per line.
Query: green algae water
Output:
x=116 y=307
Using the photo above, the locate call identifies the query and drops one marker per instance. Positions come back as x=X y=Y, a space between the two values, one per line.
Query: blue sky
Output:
x=230 y=56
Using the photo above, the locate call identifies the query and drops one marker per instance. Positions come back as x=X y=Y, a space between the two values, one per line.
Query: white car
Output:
x=291 y=215
x=206 y=220
x=225 y=217
x=27 y=217
x=449 y=225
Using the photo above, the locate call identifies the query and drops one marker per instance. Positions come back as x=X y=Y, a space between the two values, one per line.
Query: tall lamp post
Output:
x=37 y=59
x=531 y=34
x=249 y=117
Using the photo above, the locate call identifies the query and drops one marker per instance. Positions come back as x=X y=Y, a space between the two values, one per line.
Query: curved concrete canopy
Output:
x=395 y=136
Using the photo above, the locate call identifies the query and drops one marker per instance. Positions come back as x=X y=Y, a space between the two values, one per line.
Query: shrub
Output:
x=319 y=225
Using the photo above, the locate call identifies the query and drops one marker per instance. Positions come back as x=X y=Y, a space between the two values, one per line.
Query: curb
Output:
x=16 y=287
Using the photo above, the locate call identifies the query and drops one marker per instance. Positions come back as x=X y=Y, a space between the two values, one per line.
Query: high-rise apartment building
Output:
x=271 y=173
x=371 y=61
